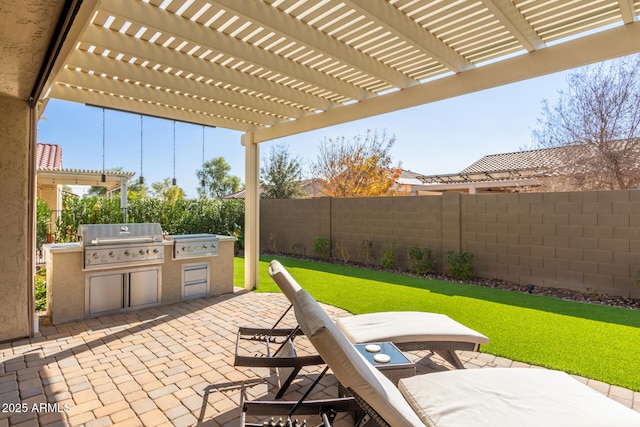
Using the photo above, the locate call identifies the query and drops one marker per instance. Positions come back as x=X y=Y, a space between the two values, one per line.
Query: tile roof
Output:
x=49 y=156
x=521 y=160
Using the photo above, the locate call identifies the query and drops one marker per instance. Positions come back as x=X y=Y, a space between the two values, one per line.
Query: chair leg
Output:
x=287 y=382
x=451 y=357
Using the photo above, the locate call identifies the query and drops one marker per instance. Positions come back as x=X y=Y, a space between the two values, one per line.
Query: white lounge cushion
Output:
x=283 y=279
x=406 y=326
x=394 y=326
x=349 y=366
x=511 y=397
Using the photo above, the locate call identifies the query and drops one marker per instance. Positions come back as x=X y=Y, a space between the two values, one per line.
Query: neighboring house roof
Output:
x=517 y=168
x=314 y=187
x=495 y=171
x=50 y=171
x=48 y=156
x=408 y=178
x=310 y=187
x=521 y=160
x=237 y=195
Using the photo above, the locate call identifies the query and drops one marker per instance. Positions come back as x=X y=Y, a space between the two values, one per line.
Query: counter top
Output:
x=75 y=246
x=62 y=247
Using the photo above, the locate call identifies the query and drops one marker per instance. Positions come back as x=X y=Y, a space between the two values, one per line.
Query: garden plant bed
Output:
x=593 y=297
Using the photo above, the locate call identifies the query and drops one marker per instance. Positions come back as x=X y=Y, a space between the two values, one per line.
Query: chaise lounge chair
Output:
x=407 y=330
x=470 y=397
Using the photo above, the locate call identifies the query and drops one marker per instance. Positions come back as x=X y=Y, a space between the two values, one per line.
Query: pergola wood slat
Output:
x=136 y=73
x=157 y=54
x=168 y=23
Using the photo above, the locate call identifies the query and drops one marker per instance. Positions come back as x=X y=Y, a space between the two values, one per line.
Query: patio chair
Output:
x=471 y=397
x=407 y=330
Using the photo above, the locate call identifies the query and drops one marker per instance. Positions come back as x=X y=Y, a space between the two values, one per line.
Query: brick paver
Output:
x=171 y=366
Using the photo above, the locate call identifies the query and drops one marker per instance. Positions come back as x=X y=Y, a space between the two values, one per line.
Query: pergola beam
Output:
x=616 y=42
x=394 y=20
x=294 y=29
x=160 y=96
x=146 y=94
x=628 y=11
x=143 y=50
x=169 y=23
x=136 y=73
x=515 y=23
x=137 y=106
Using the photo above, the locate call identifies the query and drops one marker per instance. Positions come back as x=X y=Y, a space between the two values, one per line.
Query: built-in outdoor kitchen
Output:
x=119 y=267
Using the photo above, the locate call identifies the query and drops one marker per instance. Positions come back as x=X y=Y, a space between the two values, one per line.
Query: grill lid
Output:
x=113 y=234
x=192 y=237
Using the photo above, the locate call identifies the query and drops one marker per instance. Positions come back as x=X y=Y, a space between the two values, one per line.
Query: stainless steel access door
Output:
x=143 y=287
x=105 y=292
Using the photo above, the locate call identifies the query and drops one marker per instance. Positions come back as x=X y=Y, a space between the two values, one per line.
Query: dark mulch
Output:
x=567 y=294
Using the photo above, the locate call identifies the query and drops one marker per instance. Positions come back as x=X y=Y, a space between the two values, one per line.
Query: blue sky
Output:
x=441 y=137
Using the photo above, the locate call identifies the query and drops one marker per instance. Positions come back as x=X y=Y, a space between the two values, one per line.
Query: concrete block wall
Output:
x=588 y=241
x=404 y=221
x=291 y=226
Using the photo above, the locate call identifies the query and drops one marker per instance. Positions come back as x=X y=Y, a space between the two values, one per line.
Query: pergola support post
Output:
x=251 y=211
x=124 y=201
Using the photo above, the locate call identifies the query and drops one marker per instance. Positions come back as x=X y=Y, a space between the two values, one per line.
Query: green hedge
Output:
x=201 y=215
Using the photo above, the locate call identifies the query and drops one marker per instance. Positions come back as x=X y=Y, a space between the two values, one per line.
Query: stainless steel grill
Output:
x=118 y=245
x=194 y=245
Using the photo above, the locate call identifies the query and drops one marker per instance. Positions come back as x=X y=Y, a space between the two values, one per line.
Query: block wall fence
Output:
x=587 y=241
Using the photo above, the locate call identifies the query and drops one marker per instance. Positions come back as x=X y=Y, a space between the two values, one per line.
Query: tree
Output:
x=359 y=167
x=136 y=191
x=167 y=192
x=281 y=175
x=217 y=181
x=100 y=190
x=596 y=127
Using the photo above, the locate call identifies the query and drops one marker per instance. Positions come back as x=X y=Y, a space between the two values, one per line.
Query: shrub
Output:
x=342 y=251
x=41 y=290
x=366 y=252
x=273 y=243
x=460 y=264
x=388 y=256
x=321 y=247
x=421 y=259
x=299 y=249
x=201 y=215
x=43 y=217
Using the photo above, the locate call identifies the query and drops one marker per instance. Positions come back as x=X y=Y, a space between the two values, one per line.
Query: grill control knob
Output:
x=184 y=248
x=155 y=251
x=204 y=246
x=141 y=251
x=127 y=253
x=95 y=255
x=112 y=254
x=213 y=246
x=148 y=251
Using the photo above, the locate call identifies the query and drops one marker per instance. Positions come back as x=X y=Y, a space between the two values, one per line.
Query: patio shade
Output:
x=273 y=68
x=278 y=67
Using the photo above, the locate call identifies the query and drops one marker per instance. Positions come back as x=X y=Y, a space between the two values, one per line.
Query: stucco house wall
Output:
x=14 y=191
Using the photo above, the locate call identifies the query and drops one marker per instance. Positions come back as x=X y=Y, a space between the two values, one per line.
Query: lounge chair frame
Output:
x=288 y=364
x=328 y=409
x=284 y=359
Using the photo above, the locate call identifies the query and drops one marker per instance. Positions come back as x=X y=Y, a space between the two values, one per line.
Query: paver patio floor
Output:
x=170 y=365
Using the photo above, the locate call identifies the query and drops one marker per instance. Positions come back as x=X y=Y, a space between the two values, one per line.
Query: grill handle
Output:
x=121 y=241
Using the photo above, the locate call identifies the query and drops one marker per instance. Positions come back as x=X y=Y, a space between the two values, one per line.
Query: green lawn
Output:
x=590 y=340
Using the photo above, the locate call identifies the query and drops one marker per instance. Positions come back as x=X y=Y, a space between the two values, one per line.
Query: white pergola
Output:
x=273 y=68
